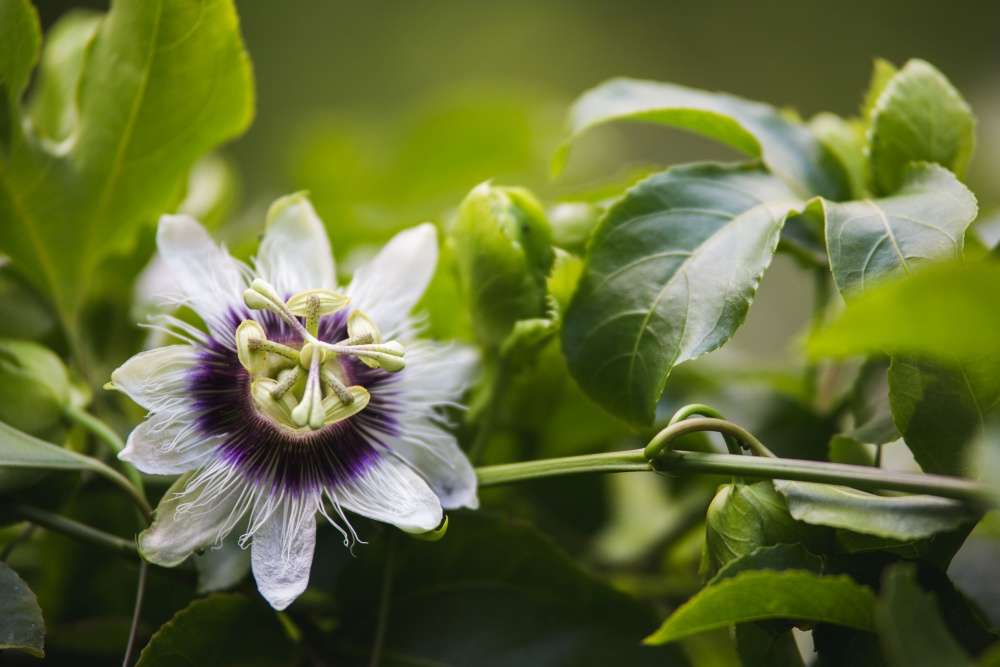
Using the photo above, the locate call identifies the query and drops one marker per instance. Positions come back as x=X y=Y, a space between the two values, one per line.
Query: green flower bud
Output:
x=572 y=224
x=743 y=517
x=503 y=249
x=34 y=386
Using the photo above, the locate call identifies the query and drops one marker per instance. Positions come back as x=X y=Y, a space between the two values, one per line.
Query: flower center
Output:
x=305 y=389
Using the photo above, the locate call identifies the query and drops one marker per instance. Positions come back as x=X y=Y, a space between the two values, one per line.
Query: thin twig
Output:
x=383 y=605
x=140 y=594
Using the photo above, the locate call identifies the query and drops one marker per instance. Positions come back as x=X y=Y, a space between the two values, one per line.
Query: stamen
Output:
x=286 y=380
x=264 y=345
x=248 y=335
x=336 y=386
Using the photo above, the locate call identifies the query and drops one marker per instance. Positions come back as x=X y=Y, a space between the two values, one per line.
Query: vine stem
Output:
x=658 y=457
x=140 y=595
x=107 y=435
x=80 y=531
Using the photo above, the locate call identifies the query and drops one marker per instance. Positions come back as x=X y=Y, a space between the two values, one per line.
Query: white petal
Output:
x=389 y=286
x=165 y=444
x=178 y=529
x=389 y=491
x=295 y=254
x=282 y=553
x=157 y=379
x=435 y=454
x=211 y=280
x=436 y=372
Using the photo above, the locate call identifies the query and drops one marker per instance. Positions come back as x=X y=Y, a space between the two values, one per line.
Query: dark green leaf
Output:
x=670 y=274
x=492 y=592
x=777 y=557
x=924 y=220
x=893 y=517
x=763 y=594
x=759 y=130
x=940 y=409
x=223 y=630
x=910 y=626
x=21 y=624
x=918 y=117
x=767 y=644
x=162 y=83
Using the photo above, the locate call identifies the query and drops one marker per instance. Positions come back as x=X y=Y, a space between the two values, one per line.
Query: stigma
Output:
x=301 y=383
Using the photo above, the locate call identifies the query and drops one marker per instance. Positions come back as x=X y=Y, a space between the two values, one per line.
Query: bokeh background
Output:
x=389 y=112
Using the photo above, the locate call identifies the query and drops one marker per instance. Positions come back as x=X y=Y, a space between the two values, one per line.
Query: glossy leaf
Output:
x=670 y=275
x=224 y=630
x=162 y=83
x=492 y=592
x=21 y=624
x=759 y=130
x=21 y=36
x=776 y=557
x=925 y=219
x=894 y=517
x=940 y=409
x=910 y=626
x=760 y=595
x=918 y=117
x=932 y=313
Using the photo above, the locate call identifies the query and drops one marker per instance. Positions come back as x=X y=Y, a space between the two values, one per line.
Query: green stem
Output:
x=137 y=495
x=140 y=595
x=76 y=530
x=661 y=441
x=107 y=435
x=628 y=461
x=858 y=477
x=732 y=444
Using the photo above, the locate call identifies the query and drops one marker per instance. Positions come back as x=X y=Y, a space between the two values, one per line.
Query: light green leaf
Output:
x=894 y=517
x=882 y=73
x=940 y=409
x=53 y=108
x=34 y=386
x=162 y=83
x=910 y=625
x=845 y=139
x=20 y=36
x=223 y=630
x=21 y=624
x=918 y=117
x=776 y=557
x=948 y=312
x=759 y=130
x=670 y=274
x=924 y=220
x=762 y=594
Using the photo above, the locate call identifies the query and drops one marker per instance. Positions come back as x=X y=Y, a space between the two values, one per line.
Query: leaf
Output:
x=924 y=220
x=53 y=109
x=20 y=452
x=910 y=626
x=776 y=558
x=895 y=517
x=223 y=630
x=845 y=139
x=492 y=592
x=21 y=624
x=940 y=409
x=948 y=312
x=21 y=36
x=786 y=147
x=767 y=644
x=918 y=117
x=669 y=276
x=162 y=83
x=762 y=594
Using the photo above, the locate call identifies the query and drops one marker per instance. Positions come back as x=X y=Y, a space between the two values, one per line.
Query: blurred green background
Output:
x=389 y=112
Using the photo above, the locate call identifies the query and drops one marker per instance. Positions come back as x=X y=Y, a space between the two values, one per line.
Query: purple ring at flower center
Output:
x=266 y=453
